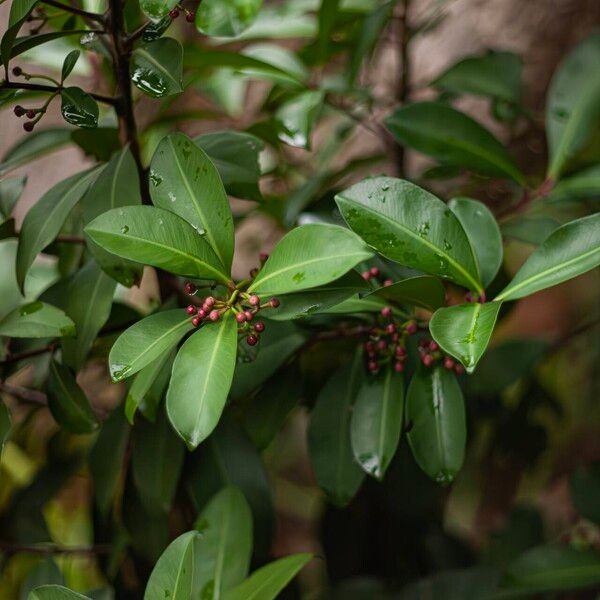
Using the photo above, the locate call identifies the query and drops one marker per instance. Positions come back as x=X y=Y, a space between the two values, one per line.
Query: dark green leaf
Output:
x=435 y=412
x=36 y=320
x=309 y=256
x=55 y=592
x=296 y=118
x=46 y=572
x=146 y=341
x=157 y=67
x=156 y=237
x=530 y=230
x=411 y=226
x=157 y=9
x=585 y=492
x=571 y=250
x=46 y=217
x=222 y=557
x=483 y=233
x=581 y=186
x=329 y=445
x=226 y=18
x=79 y=108
x=156 y=461
x=464 y=330
x=422 y=290
x=19 y=9
x=185 y=182
x=69 y=64
x=26 y=42
x=268 y=581
x=453 y=138
x=202 y=375
x=10 y=191
x=101 y=143
x=67 y=402
x=327 y=15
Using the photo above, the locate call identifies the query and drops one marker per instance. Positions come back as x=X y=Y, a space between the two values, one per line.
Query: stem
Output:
x=12 y=85
x=25 y=394
x=23 y=355
x=76 y=11
x=49 y=549
x=403 y=83
x=137 y=34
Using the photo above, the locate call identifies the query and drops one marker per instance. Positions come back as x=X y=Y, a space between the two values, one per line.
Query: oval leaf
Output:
x=157 y=67
x=36 y=320
x=464 y=331
x=185 y=181
x=411 y=226
x=146 y=341
x=424 y=291
x=377 y=421
x=201 y=378
x=336 y=471
x=453 y=138
x=67 y=402
x=435 y=411
x=69 y=64
x=309 y=256
x=226 y=18
x=296 y=117
x=79 y=108
x=571 y=250
x=156 y=237
x=54 y=592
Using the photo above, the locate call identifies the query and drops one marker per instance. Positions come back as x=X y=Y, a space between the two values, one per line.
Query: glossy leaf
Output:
x=377 y=420
x=155 y=10
x=483 y=233
x=67 y=402
x=156 y=237
x=19 y=9
x=453 y=138
x=55 y=592
x=296 y=118
x=573 y=105
x=117 y=185
x=222 y=557
x=36 y=320
x=226 y=18
x=10 y=191
x=89 y=316
x=571 y=250
x=336 y=471
x=156 y=462
x=235 y=154
x=435 y=412
x=69 y=64
x=464 y=330
x=422 y=290
x=185 y=182
x=79 y=108
x=157 y=67
x=268 y=581
x=307 y=257
x=146 y=341
x=173 y=574
x=411 y=226
x=202 y=375
x=46 y=217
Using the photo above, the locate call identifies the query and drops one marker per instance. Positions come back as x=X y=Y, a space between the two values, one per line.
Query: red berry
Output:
x=372 y=355
x=260 y=327
x=459 y=369
x=189 y=17
x=374 y=272
x=173 y=13
x=387 y=283
x=254 y=300
x=251 y=340
x=275 y=302
x=423 y=343
x=448 y=363
x=19 y=110
x=400 y=351
x=433 y=346
x=398 y=367
x=214 y=315
x=386 y=312
x=189 y=288
x=191 y=309
x=411 y=328
x=240 y=317
x=381 y=345
x=427 y=360
x=201 y=313
x=366 y=275
x=395 y=337
x=468 y=297
x=372 y=366
x=17 y=71
x=195 y=321
x=210 y=301
x=249 y=315
x=30 y=114
x=28 y=126
x=391 y=328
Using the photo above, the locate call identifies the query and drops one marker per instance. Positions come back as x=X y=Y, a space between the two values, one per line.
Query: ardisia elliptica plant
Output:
x=374 y=310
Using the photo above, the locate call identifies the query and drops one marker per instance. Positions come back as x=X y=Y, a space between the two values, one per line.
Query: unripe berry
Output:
x=17 y=71
x=411 y=328
x=427 y=360
x=201 y=313
x=173 y=13
x=214 y=315
x=28 y=126
x=19 y=110
x=387 y=283
x=210 y=301
x=398 y=367
x=260 y=327
x=372 y=366
x=30 y=114
x=191 y=309
x=374 y=272
x=366 y=275
x=251 y=340
x=189 y=17
x=249 y=316
x=459 y=369
x=275 y=302
x=240 y=317
x=433 y=346
x=448 y=363
x=254 y=300
x=390 y=328
x=195 y=321
x=386 y=312
x=189 y=288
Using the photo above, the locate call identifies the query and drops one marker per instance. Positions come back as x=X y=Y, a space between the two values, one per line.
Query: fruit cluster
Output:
x=373 y=275
x=33 y=114
x=430 y=353
x=177 y=9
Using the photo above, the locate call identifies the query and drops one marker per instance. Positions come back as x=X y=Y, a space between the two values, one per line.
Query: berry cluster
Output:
x=373 y=275
x=33 y=114
x=175 y=11
x=430 y=353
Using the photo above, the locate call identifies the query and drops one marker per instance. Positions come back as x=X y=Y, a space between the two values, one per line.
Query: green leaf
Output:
x=101 y=143
x=573 y=109
x=453 y=138
x=116 y=186
x=422 y=290
x=19 y=9
x=46 y=572
x=435 y=412
x=336 y=471
x=494 y=74
x=10 y=191
x=69 y=64
x=46 y=217
x=222 y=557
x=55 y=592
x=327 y=16
x=157 y=67
x=156 y=237
x=530 y=230
x=464 y=330
x=185 y=182
x=377 y=421
x=226 y=18
x=268 y=581
x=202 y=375
x=483 y=233
x=79 y=108
x=411 y=226
x=173 y=574
x=36 y=320
x=147 y=340
x=585 y=492
x=235 y=154
x=309 y=256
x=5 y=424
x=27 y=42
x=580 y=186
x=89 y=316
x=156 y=461
x=295 y=118
x=571 y=250
x=155 y=10
x=552 y=568
x=67 y=402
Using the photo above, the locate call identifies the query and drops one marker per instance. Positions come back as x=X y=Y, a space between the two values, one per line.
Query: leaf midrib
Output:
x=180 y=571
x=436 y=391
x=147 y=56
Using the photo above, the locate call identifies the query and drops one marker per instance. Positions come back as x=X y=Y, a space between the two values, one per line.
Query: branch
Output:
x=13 y=358
x=137 y=34
x=76 y=11
x=403 y=84
x=36 y=87
x=24 y=394
x=49 y=549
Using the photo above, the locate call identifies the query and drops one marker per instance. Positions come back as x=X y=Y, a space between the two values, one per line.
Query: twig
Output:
x=24 y=394
x=403 y=84
x=36 y=87
x=49 y=549
x=13 y=358
x=76 y=11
